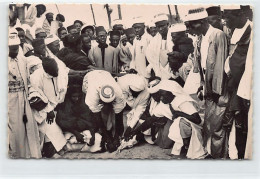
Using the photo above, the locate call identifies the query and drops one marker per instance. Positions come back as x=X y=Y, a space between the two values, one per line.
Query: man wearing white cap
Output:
x=152 y=29
x=134 y=87
x=140 y=44
x=40 y=33
x=22 y=128
x=27 y=48
x=46 y=26
x=105 y=99
x=53 y=43
x=209 y=57
x=158 y=48
x=238 y=67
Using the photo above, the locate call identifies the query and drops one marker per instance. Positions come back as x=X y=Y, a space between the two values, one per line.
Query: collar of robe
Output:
x=102 y=45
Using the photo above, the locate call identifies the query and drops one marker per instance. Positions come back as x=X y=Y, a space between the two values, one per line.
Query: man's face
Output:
x=62 y=34
x=102 y=37
x=231 y=19
x=86 y=43
x=153 y=31
x=162 y=27
x=21 y=36
x=75 y=97
x=194 y=27
x=139 y=29
x=41 y=50
x=73 y=31
x=119 y=27
x=114 y=40
x=13 y=51
x=49 y=17
x=78 y=26
x=131 y=38
x=41 y=35
x=215 y=21
x=176 y=36
x=89 y=32
x=54 y=47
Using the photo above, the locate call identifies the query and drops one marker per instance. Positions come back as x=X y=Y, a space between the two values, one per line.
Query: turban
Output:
x=129 y=31
x=115 y=32
x=177 y=28
x=107 y=94
x=13 y=38
x=71 y=27
x=51 y=38
x=160 y=18
x=72 y=40
x=117 y=22
x=167 y=85
x=214 y=10
x=196 y=14
x=49 y=65
x=138 y=20
x=37 y=42
x=100 y=29
x=136 y=82
x=85 y=27
x=39 y=30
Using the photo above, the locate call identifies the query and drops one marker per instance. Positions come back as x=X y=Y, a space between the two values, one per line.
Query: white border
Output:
x=127 y=168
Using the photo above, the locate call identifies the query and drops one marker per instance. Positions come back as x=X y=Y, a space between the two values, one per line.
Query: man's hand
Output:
x=80 y=138
x=127 y=132
x=50 y=117
x=200 y=93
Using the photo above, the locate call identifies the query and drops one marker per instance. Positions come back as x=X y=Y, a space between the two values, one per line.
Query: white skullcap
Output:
x=138 y=20
x=167 y=85
x=196 y=14
x=107 y=94
x=230 y=7
x=137 y=82
x=13 y=38
x=117 y=22
x=160 y=17
x=177 y=28
x=50 y=39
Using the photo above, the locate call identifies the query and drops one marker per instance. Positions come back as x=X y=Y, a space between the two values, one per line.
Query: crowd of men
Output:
x=184 y=86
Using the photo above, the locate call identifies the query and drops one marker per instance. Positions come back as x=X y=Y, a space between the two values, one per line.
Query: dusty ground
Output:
x=139 y=151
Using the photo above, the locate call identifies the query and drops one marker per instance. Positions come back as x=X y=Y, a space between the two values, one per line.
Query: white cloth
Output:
x=156 y=55
x=205 y=47
x=138 y=57
x=92 y=84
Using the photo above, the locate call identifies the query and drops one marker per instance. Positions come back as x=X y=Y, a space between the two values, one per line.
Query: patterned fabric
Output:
x=15 y=86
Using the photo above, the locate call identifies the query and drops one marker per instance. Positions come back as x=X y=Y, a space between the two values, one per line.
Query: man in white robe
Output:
x=158 y=48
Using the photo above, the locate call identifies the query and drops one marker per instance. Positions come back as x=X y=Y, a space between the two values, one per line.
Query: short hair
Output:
x=60 y=17
x=60 y=29
x=78 y=21
x=41 y=6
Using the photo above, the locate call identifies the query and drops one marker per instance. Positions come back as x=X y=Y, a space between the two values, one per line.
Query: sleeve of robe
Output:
x=139 y=107
x=91 y=56
x=31 y=15
x=92 y=99
x=216 y=77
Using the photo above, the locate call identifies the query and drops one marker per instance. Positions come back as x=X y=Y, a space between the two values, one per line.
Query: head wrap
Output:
x=48 y=13
x=100 y=29
x=137 y=83
x=129 y=31
x=177 y=28
x=107 y=94
x=37 y=42
x=138 y=20
x=39 y=30
x=115 y=32
x=49 y=64
x=160 y=17
x=213 y=10
x=117 y=22
x=71 y=27
x=196 y=14
x=13 y=38
x=51 y=38
x=85 y=27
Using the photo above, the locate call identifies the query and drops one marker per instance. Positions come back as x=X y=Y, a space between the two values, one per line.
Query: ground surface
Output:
x=139 y=151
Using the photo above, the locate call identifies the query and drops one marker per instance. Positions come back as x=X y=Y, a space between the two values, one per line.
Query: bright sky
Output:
x=83 y=12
